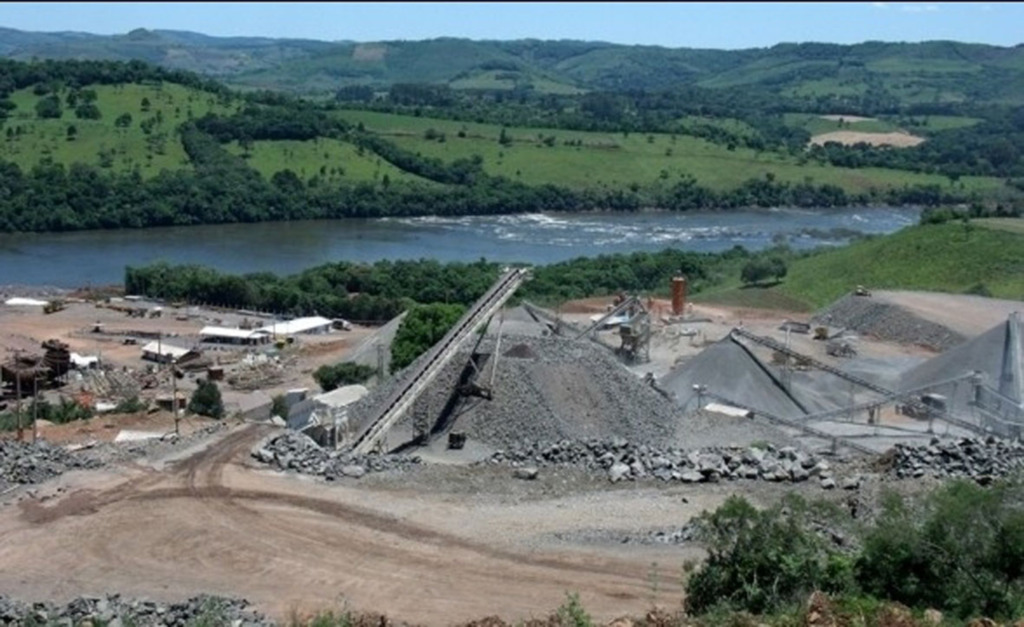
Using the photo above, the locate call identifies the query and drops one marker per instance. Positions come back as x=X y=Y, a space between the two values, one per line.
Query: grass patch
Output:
x=616 y=160
x=1012 y=225
x=943 y=258
x=816 y=125
x=101 y=142
x=754 y=297
x=330 y=159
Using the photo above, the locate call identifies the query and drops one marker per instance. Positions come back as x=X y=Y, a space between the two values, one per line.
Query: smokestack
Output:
x=678 y=295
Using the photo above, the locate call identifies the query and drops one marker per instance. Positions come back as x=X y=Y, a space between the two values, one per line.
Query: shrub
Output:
x=206 y=400
x=961 y=550
x=762 y=561
x=422 y=327
x=347 y=373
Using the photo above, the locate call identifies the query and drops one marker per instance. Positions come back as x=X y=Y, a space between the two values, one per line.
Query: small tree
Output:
x=206 y=400
x=347 y=373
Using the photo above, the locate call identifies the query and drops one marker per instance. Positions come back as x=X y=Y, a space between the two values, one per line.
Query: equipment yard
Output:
x=561 y=451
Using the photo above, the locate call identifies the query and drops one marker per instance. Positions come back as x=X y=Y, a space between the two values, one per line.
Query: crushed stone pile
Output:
x=980 y=459
x=621 y=460
x=551 y=389
x=868 y=316
x=686 y=534
x=298 y=452
x=27 y=463
x=547 y=388
x=112 y=609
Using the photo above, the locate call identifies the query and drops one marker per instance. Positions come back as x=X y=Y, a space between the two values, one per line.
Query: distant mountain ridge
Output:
x=935 y=71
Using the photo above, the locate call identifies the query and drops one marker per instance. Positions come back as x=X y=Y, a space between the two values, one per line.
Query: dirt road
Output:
x=208 y=523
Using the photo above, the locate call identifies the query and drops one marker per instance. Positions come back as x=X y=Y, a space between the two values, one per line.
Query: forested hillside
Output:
x=102 y=144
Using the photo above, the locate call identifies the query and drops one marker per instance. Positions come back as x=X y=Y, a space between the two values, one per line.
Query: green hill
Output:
x=906 y=73
x=943 y=258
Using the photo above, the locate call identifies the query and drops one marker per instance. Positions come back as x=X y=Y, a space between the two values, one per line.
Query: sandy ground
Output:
x=209 y=523
x=849 y=138
x=25 y=328
x=965 y=314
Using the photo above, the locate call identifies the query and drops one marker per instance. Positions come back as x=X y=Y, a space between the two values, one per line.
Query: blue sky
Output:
x=700 y=25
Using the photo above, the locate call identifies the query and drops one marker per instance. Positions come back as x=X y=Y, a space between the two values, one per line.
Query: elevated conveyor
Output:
x=439 y=355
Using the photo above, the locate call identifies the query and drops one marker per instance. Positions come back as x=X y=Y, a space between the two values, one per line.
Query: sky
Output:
x=690 y=25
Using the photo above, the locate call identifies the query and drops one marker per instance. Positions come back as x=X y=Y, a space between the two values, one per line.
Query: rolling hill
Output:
x=937 y=71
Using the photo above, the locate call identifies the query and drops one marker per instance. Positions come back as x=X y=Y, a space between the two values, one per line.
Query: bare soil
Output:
x=849 y=138
x=209 y=523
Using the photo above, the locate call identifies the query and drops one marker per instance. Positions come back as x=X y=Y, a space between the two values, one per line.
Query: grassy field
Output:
x=101 y=142
x=616 y=160
x=330 y=159
x=1013 y=225
x=942 y=258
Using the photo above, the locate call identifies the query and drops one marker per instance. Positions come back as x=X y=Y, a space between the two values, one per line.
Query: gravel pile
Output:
x=295 y=451
x=688 y=533
x=27 y=463
x=621 y=460
x=868 y=316
x=550 y=389
x=112 y=609
x=981 y=459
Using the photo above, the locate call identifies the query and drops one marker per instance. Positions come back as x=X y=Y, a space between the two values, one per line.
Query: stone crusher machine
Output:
x=634 y=329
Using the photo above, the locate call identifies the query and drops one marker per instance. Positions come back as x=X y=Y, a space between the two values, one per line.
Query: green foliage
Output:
x=279 y=406
x=62 y=412
x=49 y=107
x=961 y=549
x=761 y=269
x=346 y=373
x=131 y=406
x=762 y=561
x=206 y=400
x=422 y=327
x=572 y=613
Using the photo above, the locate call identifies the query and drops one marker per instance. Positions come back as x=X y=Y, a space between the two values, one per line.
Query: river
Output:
x=99 y=257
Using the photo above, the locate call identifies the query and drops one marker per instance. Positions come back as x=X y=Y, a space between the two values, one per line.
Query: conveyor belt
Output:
x=438 y=356
x=785 y=350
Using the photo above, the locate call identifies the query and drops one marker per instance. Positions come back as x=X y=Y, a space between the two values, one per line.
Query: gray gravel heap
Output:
x=870 y=316
x=26 y=463
x=113 y=609
x=297 y=452
x=688 y=533
x=553 y=388
x=622 y=460
x=981 y=459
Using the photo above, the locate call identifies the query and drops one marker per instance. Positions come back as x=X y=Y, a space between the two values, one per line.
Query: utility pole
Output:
x=17 y=385
x=35 y=408
x=174 y=396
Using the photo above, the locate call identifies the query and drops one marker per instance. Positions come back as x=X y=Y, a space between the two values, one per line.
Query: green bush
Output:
x=763 y=561
x=422 y=327
x=960 y=550
x=206 y=400
x=347 y=373
x=763 y=268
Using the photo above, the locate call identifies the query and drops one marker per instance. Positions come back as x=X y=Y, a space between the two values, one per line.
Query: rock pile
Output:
x=295 y=451
x=688 y=533
x=622 y=460
x=871 y=316
x=113 y=609
x=546 y=389
x=24 y=463
x=981 y=459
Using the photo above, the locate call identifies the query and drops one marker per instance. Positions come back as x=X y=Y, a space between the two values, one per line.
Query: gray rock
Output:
x=851 y=483
x=828 y=483
x=691 y=476
x=528 y=473
x=618 y=472
x=353 y=470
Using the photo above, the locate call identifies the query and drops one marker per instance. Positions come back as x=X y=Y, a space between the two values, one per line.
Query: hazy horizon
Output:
x=730 y=26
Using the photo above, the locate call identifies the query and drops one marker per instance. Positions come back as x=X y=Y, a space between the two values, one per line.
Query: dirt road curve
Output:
x=209 y=524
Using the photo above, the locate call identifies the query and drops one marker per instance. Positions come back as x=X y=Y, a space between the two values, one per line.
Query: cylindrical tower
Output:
x=678 y=295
